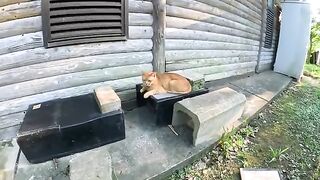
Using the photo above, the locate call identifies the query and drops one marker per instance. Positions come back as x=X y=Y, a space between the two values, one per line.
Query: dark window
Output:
x=67 y=22
x=269 y=28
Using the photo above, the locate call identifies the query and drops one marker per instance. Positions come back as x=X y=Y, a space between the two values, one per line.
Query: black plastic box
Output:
x=65 y=126
x=163 y=108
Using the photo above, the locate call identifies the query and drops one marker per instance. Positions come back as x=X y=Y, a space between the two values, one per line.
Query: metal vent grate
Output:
x=67 y=22
x=269 y=29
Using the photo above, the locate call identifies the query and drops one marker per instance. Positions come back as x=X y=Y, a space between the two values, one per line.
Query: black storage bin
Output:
x=163 y=108
x=65 y=126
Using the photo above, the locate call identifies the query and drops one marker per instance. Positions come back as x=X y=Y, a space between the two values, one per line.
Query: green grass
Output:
x=312 y=70
x=285 y=136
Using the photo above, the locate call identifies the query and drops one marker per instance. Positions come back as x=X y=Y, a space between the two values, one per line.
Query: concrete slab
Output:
x=47 y=170
x=153 y=152
x=8 y=157
x=94 y=164
x=265 y=85
x=261 y=174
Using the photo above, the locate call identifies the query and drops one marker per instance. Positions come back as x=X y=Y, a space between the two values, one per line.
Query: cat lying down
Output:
x=156 y=83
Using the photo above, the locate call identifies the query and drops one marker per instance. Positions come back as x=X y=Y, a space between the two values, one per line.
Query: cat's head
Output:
x=148 y=78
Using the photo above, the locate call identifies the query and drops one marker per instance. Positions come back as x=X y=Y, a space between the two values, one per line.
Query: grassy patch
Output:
x=285 y=136
x=312 y=70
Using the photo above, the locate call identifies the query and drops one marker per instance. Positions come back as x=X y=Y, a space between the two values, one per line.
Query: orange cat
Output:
x=155 y=83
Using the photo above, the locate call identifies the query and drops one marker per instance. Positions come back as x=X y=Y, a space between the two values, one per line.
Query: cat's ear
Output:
x=153 y=74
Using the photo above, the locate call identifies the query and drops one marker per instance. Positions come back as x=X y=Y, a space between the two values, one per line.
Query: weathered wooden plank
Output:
x=65 y=66
x=33 y=24
x=262 y=33
x=174 y=22
x=38 y=55
x=241 y=7
x=202 y=7
x=173 y=33
x=20 y=26
x=176 y=44
x=34 y=40
x=21 y=104
x=222 y=68
x=21 y=42
x=33 y=8
x=179 y=12
x=139 y=19
x=8 y=2
x=140 y=6
x=256 y=7
x=20 y=10
x=11 y=120
x=221 y=75
x=159 y=26
x=227 y=7
x=195 y=63
x=140 y=32
x=70 y=80
x=204 y=54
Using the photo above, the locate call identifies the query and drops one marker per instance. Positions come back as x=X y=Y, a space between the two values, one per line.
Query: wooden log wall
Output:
x=218 y=38
x=268 y=56
x=29 y=73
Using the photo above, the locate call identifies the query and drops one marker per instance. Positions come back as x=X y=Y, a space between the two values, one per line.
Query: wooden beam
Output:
x=159 y=25
x=262 y=31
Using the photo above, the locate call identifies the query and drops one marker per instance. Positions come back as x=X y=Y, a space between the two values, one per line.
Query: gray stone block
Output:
x=8 y=157
x=196 y=79
x=209 y=115
x=94 y=165
x=107 y=99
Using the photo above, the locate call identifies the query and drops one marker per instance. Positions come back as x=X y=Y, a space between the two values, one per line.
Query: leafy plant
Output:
x=276 y=153
x=314 y=39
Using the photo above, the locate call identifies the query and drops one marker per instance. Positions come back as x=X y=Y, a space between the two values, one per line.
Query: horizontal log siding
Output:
x=30 y=74
x=217 y=38
x=268 y=56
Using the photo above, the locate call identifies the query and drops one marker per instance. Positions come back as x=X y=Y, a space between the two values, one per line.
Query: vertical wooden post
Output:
x=262 y=31
x=159 y=25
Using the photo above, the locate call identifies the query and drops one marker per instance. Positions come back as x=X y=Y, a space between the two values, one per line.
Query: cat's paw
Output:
x=146 y=95
x=141 y=90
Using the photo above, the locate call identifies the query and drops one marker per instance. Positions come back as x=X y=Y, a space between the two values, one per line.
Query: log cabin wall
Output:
x=268 y=55
x=218 y=38
x=30 y=74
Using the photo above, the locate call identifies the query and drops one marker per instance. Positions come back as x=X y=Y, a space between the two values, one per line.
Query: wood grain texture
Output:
x=8 y=2
x=177 y=55
x=70 y=80
x=21 y=104
x=221 y=75
x=195 y=63
x=65 y=66
x=35 y=40
x=222 y=68
x=39 y=55
x=159 y=26
x=11 y=120
x=235 y=10
x=181 y=23
x=176 y=44
x=210 y=9
x=175 y=11
x=186 y=34
x=20 y=10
